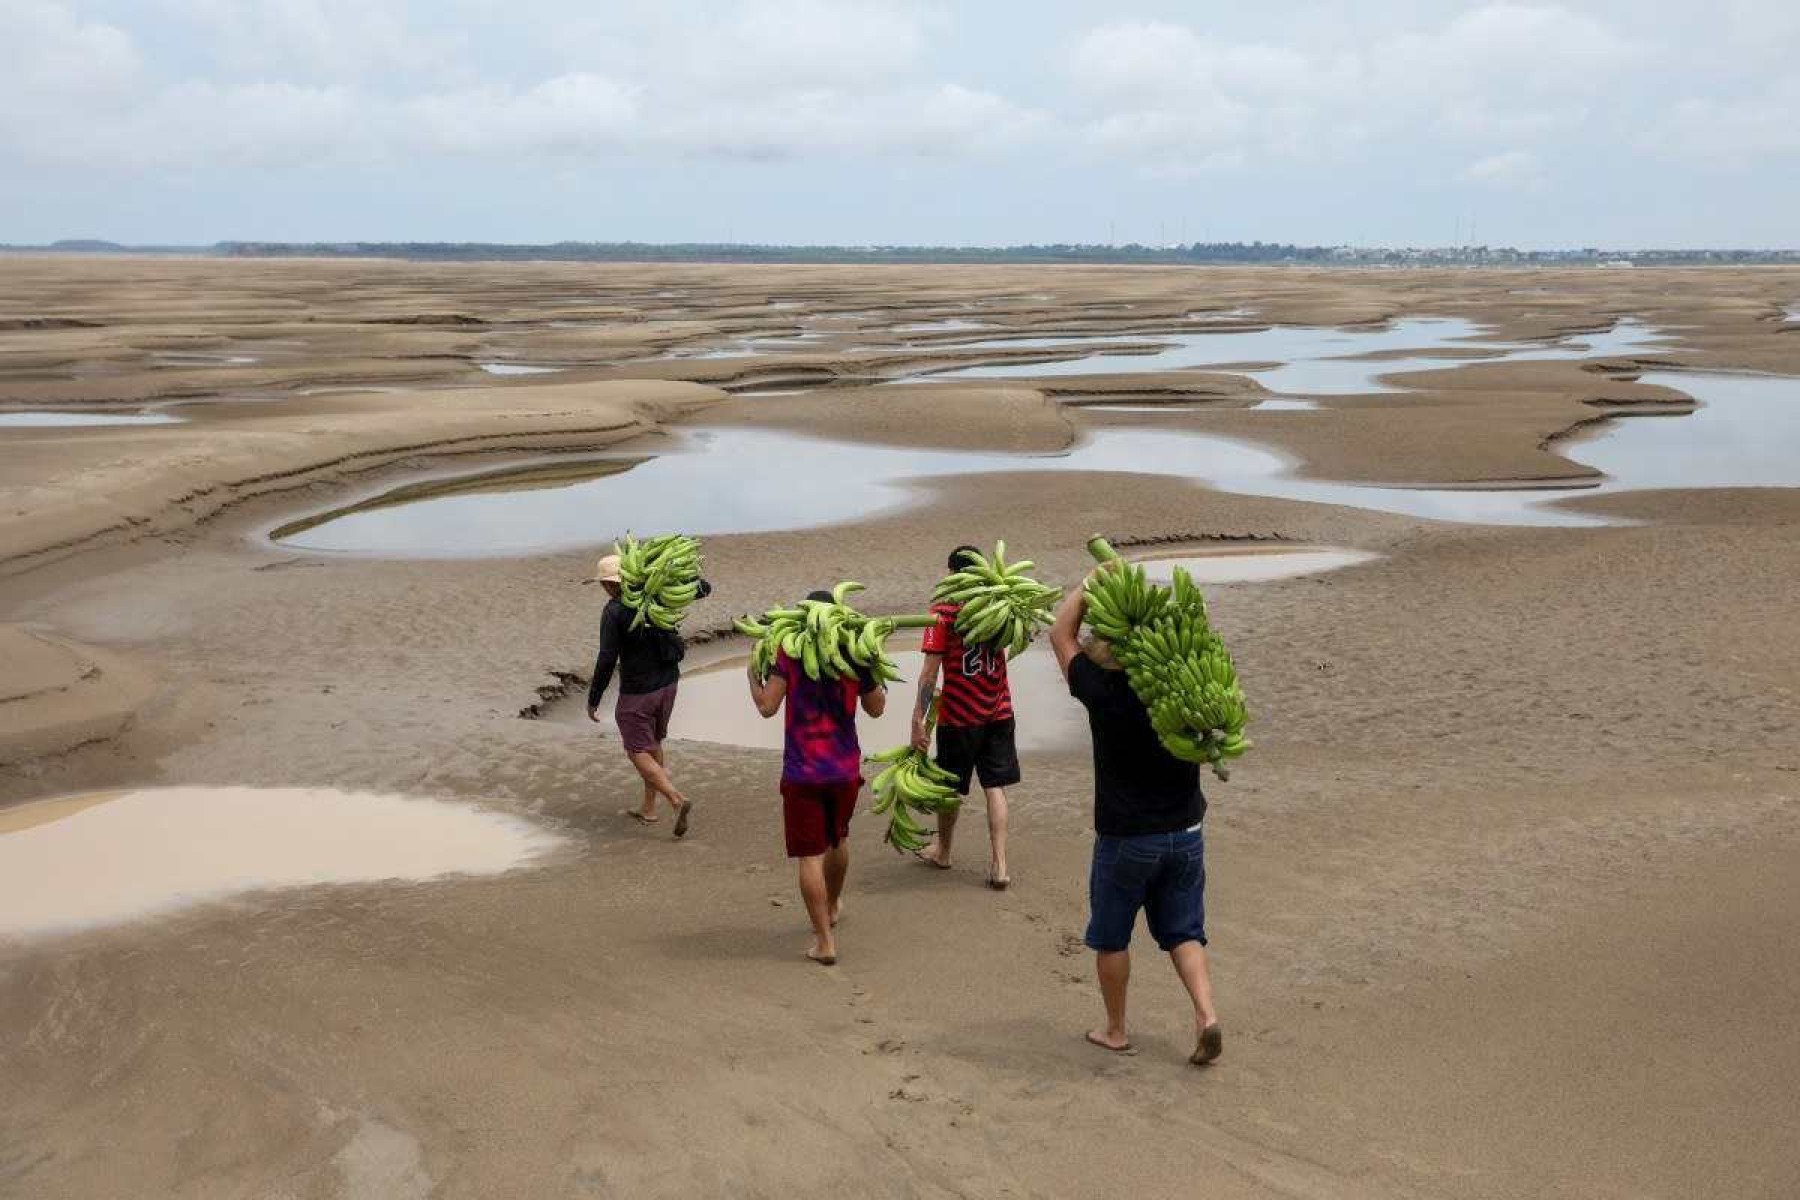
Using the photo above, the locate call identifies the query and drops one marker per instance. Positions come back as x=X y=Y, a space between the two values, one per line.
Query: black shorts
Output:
x=986 y=751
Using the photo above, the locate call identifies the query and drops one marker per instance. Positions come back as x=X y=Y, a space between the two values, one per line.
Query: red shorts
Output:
x=643 y=718
x=816 y=816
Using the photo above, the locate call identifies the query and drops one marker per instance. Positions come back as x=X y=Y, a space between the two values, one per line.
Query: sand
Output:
x=1501 y=904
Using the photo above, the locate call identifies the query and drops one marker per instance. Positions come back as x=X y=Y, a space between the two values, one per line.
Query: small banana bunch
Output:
x=1001 y=604
x=827 y=638
x=910 y=782
x=1177 y=665
x=659 y=577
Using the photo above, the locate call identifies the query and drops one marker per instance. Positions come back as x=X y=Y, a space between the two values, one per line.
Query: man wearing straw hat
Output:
x=648 y=661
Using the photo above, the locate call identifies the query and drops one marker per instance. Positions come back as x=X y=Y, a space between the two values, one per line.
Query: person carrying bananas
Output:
x=975 y=735
x=648 y=661
x=821 y=774
x=1148 y=851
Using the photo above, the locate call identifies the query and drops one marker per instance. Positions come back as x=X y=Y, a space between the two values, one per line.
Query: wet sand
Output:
x=1501 y=904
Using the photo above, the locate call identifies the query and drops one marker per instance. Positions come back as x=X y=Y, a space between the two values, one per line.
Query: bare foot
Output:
x=1117 y=1043
x=837 y=913
x=929 y=854
x=824 y=955
x=1209 y=1047
x=998 y=879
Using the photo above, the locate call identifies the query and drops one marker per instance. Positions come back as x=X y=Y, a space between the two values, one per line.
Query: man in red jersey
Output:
x=821 y=774
x=974 y=727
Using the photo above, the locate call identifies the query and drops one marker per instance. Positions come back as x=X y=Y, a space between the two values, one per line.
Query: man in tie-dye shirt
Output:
x=821 y=774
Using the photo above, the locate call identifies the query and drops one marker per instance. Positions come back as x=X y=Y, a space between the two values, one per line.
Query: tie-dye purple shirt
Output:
x=821 y=745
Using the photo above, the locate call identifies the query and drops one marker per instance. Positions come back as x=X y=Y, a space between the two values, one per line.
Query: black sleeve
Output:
x=1083 y=684
x=612 y=637
x=705 y=590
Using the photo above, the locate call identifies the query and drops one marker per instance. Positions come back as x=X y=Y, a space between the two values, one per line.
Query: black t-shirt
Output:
x=1139 y=787
x=648 y=659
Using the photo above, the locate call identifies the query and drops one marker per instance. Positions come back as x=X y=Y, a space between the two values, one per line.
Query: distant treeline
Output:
x=1133 y=253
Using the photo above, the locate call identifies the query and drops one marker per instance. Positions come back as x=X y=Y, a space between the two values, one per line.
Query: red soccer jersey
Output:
x=973 y=680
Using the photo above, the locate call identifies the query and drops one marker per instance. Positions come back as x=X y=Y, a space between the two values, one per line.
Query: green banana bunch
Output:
x=829 y=639
x=1001 y=604
x=911 y=781
x=1177 y=665
x=658 y=578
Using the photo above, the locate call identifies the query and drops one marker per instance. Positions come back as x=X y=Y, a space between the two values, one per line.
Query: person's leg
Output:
x=997 y=766
x=955 y=754
x=1113 y=967
x=647 y=810
x=1175 y=909
x=816 y=892
x=1116 y=882
x=837 y=868
x=1191 y=964
x=656 y=778
x=996 y=818
x=938 y=849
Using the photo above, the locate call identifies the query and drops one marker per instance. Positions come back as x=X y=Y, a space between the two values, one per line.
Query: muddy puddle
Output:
x=1745 y=433
x=82 y=420
x=507 y=368
x=104 y=858
x=1310 y=361
x=721 y=481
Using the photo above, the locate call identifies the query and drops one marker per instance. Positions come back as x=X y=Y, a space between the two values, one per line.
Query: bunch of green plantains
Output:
x=911 y=783
x=828 y=638
x=1177 y=665
x=1001 y=604
x=659 y=578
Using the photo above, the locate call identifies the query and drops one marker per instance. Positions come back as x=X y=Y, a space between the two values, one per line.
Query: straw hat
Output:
x=606 y=570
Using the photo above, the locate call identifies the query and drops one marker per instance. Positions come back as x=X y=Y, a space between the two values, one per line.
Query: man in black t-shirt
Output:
x=1148 y=850
x=648 y=661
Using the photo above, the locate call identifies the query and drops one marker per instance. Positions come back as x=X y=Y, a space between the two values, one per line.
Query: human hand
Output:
x=921 y=737
x=594 y=715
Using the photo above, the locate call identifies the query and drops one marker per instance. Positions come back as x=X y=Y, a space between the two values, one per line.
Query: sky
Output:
x=855 y=122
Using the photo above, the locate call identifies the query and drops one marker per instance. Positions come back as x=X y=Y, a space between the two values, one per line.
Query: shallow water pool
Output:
x=103 y=858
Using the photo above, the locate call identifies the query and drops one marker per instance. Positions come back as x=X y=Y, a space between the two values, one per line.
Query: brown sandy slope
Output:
x=1500 y=904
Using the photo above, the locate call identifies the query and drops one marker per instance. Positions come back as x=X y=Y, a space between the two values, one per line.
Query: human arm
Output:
x=928 y=677
x=767 y=694
x=1065 y=630
x=612 y=638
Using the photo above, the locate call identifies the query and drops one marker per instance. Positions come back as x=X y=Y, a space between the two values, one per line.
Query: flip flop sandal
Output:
x=1127 y=1048
x=681 y=819
x=999 y=885
x=639 y=817
x=1212 y=1044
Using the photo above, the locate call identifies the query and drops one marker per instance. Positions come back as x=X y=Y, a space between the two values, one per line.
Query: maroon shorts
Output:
x=816 y=816
x=643 y=718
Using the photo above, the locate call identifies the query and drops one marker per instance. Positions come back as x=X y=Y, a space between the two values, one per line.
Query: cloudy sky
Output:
x=1588 y=122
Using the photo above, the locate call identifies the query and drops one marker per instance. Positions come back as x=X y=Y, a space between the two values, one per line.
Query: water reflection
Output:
x=1747 y=433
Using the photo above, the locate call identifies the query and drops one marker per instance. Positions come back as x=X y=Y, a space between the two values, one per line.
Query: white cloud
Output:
x=1509 y=169
x=1374 y=100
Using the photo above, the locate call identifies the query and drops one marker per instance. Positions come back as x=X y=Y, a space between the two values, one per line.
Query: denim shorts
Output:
x=1162 y=873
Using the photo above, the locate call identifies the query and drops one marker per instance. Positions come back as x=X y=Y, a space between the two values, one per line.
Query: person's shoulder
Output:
x=945 y=611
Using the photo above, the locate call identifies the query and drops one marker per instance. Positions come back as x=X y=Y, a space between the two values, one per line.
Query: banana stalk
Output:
x=1176 y=664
